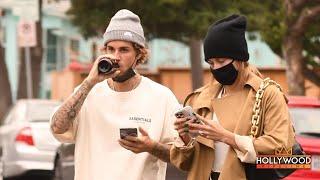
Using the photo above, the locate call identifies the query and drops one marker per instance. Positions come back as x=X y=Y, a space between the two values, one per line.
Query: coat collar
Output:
x=253 y=81
x=206 y=94
x=211 y=90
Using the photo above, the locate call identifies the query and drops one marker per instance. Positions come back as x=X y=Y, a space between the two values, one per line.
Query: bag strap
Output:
x=255 y=120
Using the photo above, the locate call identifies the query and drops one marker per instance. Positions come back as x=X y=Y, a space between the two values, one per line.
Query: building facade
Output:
x=63 y=44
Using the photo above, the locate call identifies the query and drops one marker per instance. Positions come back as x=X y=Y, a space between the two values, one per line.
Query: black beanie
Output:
x=226 y=39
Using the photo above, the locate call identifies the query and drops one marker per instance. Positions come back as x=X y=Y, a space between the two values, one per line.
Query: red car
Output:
x=305 y=114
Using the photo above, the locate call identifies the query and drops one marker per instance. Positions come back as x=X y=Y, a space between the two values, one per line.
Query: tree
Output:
x=5 y=90
x=182 y=20
x=302 y=21
x=291 y=28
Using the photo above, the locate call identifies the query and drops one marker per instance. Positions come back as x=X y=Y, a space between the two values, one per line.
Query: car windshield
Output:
x=41 y=112
x=306 y=120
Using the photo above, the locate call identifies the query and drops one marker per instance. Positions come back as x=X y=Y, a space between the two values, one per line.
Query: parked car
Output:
x=26 y=141
x=64 y=162
x=305 y=113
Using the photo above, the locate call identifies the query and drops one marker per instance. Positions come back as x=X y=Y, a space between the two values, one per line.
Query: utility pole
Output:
x=29 y=12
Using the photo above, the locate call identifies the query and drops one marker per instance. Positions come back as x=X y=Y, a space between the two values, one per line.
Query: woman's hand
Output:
x=182 y=126
x=213 y=130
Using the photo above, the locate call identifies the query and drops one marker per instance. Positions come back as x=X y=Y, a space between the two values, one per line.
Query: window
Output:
x=74 y=49
x=51 y=51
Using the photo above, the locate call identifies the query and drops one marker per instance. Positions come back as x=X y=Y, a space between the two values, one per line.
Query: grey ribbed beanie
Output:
x=125 y=25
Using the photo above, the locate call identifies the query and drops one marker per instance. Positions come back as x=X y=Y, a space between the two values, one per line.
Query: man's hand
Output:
x=145 y=144
x=94 y=76
x=138 y=144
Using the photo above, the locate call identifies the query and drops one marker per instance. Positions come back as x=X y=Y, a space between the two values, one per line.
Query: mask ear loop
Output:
x=134 y=64
x=237 y=67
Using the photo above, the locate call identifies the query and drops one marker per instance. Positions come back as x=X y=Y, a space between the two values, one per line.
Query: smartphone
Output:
x=187 y=112
x=184 y=112
x=128 y=132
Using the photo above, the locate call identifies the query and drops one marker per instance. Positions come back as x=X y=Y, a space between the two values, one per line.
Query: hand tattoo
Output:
x=161 y=151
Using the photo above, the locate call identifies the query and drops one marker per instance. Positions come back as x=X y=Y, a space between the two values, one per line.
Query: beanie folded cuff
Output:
x=241 y=57
x=124 y=35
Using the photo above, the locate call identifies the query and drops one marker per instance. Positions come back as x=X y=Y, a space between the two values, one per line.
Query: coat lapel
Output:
x=206 y=94
x=242 y=127
x=203 y=106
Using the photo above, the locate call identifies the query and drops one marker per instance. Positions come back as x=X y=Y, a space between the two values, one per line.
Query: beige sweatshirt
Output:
x=95 y=132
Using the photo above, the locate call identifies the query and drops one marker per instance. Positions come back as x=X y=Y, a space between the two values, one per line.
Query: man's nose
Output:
x=117 y=56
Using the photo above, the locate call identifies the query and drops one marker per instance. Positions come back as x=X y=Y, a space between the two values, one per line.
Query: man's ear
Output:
x=135 y=63
x=138 y=56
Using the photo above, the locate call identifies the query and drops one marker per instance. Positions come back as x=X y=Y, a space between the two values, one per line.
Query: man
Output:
x=103 y=104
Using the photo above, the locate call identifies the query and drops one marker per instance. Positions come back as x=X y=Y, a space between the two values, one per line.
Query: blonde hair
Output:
x=245 y=66
x=142 y=53
x=254 y=69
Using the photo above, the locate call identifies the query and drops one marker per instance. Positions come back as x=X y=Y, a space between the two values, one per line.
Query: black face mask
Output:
x=225 y=75
x=127 y=75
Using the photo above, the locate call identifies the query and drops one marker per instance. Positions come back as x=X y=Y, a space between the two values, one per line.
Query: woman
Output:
x=225 y=108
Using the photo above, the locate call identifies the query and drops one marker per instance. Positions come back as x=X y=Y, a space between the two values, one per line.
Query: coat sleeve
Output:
x=277 y=127
x=247 y=152
x=182 y=155
x=196 y=159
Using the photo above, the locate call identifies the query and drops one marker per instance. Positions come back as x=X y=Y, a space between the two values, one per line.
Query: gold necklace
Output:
x=223 y=92
x=137 y=83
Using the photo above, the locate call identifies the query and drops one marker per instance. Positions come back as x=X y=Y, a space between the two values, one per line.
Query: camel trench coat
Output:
x=234 y=113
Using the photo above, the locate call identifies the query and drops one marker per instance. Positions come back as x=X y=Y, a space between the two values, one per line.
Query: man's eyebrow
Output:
x=124 y=47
